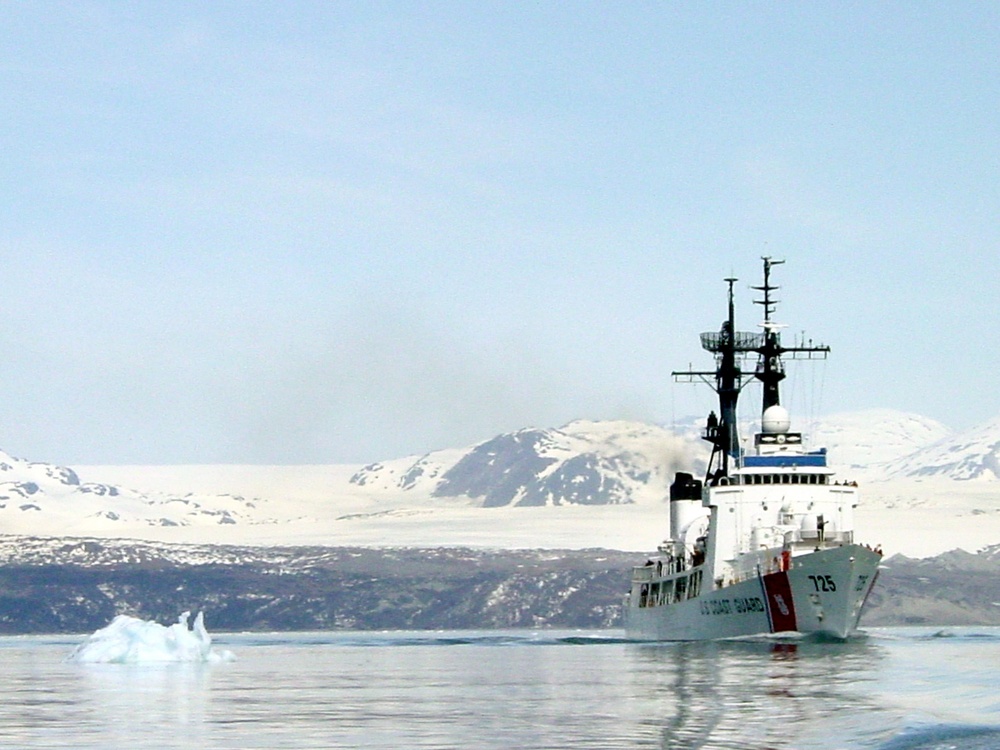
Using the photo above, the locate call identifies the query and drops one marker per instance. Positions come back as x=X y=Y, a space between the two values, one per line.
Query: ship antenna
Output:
x=770 y=369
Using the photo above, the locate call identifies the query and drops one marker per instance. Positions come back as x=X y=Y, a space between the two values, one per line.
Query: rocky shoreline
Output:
x=79 y=585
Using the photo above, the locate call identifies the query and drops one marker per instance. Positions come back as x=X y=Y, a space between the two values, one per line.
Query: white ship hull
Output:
x=822 y=593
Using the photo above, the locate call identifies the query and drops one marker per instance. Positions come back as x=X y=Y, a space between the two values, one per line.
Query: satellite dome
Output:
x=775 y=420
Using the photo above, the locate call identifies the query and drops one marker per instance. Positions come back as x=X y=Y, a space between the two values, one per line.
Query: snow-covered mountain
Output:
x=600 y=463
x=35 y=496
x=586 y=484
x=582 y=463
x=973 y=454
x=866 y=438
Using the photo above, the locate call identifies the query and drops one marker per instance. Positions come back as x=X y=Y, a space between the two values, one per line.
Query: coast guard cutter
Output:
x=765 y=542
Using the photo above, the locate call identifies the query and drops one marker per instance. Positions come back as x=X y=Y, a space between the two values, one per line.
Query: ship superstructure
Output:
x=765 y=542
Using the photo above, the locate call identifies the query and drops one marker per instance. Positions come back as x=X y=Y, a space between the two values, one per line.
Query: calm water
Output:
x=896 y=689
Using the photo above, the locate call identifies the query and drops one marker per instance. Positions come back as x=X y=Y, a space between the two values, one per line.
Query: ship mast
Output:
x=730 y=347
x=728 y=379
x=770 y=369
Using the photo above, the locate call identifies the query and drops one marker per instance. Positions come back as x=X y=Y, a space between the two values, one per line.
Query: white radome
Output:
x=775 y=420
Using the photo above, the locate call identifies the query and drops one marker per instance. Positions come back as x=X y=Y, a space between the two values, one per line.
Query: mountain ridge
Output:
x=970 y=455
x=583 y=462
x=568 y=481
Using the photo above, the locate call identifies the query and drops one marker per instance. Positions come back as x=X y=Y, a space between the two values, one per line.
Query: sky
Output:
x=315 y=232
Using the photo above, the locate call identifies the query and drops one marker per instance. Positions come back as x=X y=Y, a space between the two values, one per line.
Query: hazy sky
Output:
x=314 y=232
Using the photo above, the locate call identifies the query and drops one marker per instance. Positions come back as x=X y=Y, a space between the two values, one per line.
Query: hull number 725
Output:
x=823 y=583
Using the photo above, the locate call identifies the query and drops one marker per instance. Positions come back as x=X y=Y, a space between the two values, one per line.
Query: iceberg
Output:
x=129 y=640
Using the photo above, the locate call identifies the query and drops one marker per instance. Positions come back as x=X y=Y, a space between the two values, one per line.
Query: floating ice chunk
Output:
x=129 y=640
